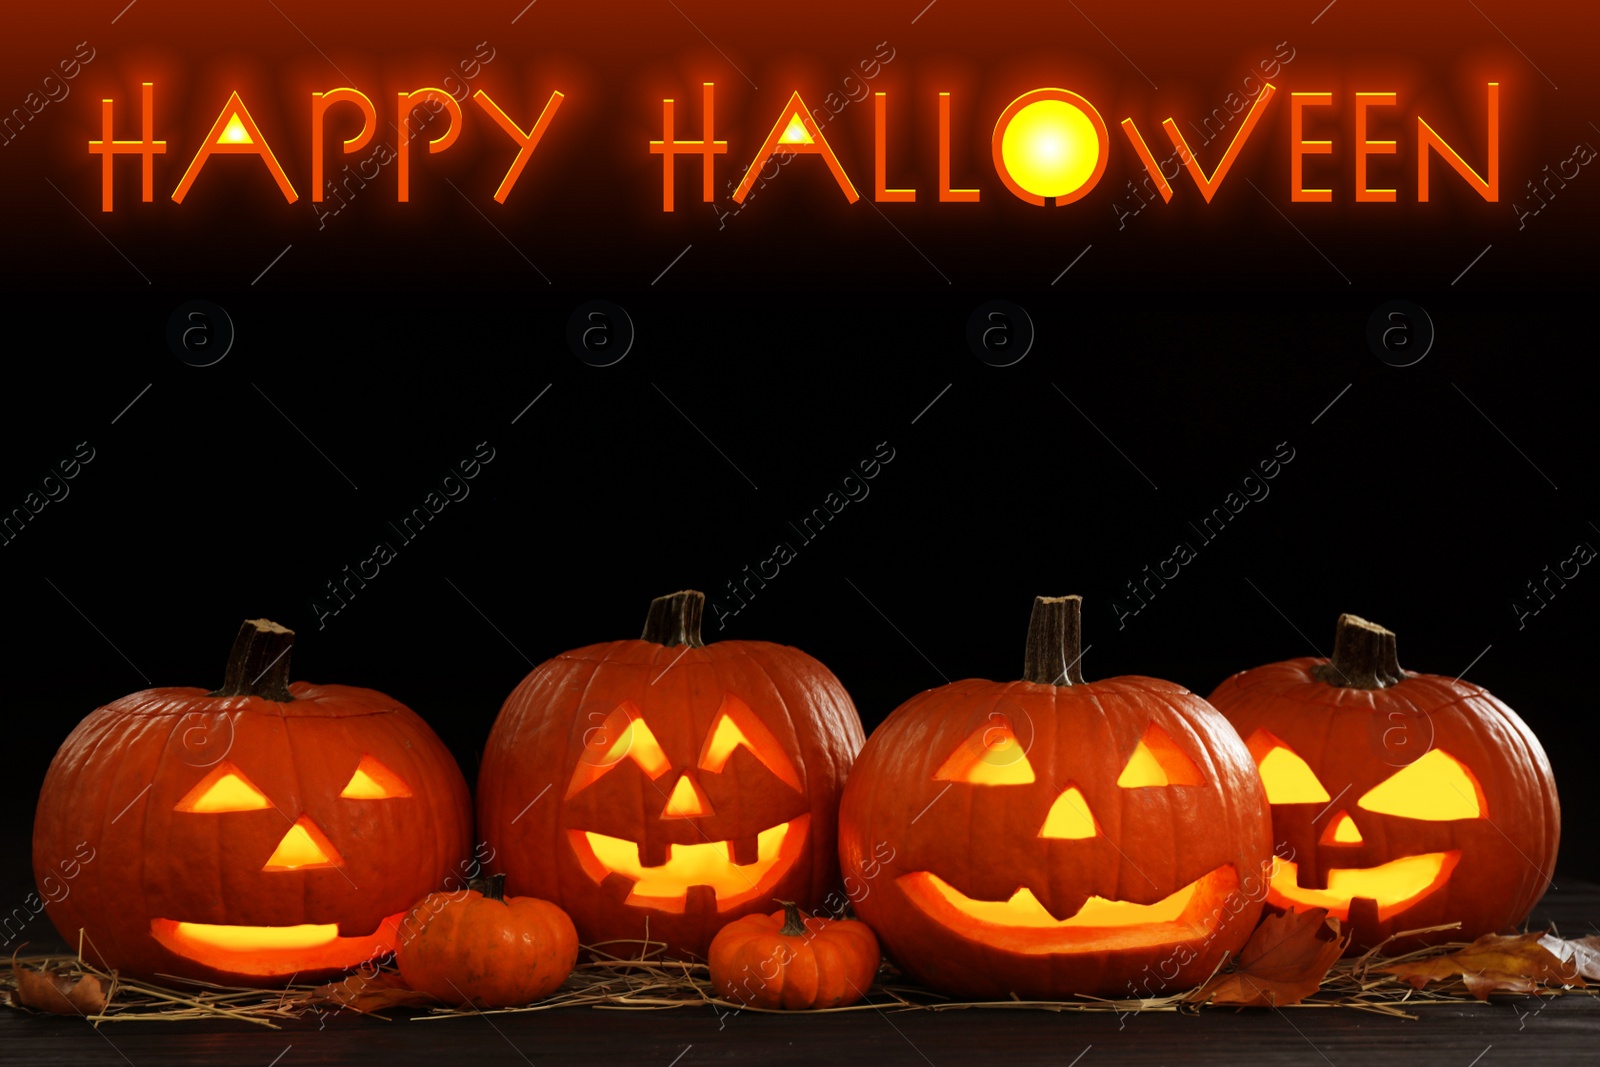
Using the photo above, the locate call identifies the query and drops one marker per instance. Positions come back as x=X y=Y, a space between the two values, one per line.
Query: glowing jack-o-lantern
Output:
x=669 y=785
x=247 y=835
x=1052 y=836
x=1399 y=800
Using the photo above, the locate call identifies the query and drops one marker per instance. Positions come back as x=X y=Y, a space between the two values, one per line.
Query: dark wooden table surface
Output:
x=1505 y=1030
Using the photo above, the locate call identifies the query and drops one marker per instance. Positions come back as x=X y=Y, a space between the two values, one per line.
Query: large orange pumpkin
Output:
x=253 y=833
x=667 y=785
x=1052 y=836
x=1400 y=800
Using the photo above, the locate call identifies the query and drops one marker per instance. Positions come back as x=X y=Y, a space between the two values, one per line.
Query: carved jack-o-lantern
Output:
x=1399 y=800
x=250 y=834
x=1051 y=837
x=669 y=785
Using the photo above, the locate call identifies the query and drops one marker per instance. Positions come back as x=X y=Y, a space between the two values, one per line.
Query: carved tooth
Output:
x=616 y=887
x=1364 y=913
x=1061 y=907
x=653 y=850
x=700 y=900
x=744 y=850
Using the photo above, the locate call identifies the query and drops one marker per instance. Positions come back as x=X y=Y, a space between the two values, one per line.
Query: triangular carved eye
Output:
x=224 y=789
x=1157 y=760
x=373 y=781
x=1436 y=787
x=1288 y=778
x=992 y=755
x=623 y=734
x=735 y=726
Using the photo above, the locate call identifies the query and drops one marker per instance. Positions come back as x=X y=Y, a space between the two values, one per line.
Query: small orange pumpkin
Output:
x=784 y=961
x=484 y=950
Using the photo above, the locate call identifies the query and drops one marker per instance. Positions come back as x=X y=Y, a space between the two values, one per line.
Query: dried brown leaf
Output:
x=1582 y=954
x=61 y=994
x=361 y=993
x=1495 y=963
x=1284 y=962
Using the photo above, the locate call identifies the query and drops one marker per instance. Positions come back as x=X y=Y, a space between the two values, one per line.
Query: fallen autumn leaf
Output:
x=59 y=994
x=1495 y=963
x=1284 y=962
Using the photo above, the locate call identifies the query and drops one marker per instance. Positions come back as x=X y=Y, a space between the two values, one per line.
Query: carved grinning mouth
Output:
x=1022 y=925
x=665 y=887
x=1393 y=886
x=269 y=951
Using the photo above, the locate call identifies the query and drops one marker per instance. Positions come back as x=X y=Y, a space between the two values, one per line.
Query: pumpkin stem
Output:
x=793 y=924
x=1363 y=657
x=494 y=888
x=1055 y=635
x=675 y=619
x=258 y=666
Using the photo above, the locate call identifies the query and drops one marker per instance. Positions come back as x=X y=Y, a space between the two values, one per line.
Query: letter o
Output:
x=1039 y=128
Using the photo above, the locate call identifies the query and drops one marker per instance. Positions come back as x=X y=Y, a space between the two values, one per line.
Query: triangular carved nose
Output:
x=304 y=847
x=1069 y=818
x=686 y=801
x=1341 y=831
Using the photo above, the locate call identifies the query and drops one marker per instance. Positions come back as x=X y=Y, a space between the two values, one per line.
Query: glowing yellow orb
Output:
x=235 y=133
x=1051 y=148
x=796 y=132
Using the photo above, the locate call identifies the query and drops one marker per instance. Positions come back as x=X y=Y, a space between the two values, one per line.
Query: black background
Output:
x=203 y=505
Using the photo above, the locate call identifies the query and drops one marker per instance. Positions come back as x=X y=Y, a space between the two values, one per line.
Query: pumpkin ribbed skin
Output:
x=476 y=951
x=825 y=963
x=551 y=725
x=116 y=781
x=898 y=820
x=1355 y=738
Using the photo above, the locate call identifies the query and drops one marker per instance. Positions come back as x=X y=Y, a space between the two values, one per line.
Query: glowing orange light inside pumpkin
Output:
x=1436 y=787
x=622 y=735
x=1021 y=924
x=736 y=725
x=686 y=801
x=709 y=864
x=256 y=938
x=992 y=755
x=274 y=950
x=1069 y=817
x=224 y=789
x=1287 y=777
x=304 y=847
x=1157 y=760
x=373 y=781
x=1024 y=909
x=1393 y=886
x=1342 y=831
